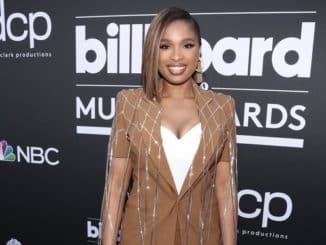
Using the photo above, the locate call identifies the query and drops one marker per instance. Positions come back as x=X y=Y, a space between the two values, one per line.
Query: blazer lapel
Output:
x=208 y=142
x=149 y=124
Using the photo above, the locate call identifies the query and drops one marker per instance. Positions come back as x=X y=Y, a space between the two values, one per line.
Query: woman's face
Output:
x=179 y=53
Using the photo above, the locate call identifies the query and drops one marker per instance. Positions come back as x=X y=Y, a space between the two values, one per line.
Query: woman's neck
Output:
x=180 y=91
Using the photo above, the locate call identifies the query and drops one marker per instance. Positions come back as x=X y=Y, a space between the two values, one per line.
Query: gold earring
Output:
x=198 y=77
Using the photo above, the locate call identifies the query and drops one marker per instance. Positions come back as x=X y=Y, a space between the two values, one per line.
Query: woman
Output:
x=174 y=144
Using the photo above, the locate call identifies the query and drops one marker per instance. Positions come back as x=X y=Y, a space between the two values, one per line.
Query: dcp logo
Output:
x=7 y=26
x=265 y=209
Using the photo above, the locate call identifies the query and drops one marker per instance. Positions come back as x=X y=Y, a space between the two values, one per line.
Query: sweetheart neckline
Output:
x=188 y=131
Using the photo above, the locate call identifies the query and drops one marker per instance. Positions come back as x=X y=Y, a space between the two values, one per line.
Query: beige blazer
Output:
x=205 y=211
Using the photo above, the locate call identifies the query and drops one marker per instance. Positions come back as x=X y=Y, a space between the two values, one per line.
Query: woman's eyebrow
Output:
x=183 y=40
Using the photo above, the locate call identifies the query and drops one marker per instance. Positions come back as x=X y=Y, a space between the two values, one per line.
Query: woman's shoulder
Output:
x=126 y=101
x=222 y=101
x=221 y=98
x=130 y=94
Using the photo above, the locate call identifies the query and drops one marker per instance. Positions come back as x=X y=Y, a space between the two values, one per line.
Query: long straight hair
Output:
x=150 y=76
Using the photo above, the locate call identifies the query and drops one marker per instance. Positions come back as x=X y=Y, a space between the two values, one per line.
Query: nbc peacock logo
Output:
x=6 y=152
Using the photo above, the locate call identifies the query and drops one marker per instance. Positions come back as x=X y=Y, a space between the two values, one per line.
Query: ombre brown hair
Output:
x=150 y=76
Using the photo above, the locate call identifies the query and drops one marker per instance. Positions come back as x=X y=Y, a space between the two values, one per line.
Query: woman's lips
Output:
x=176 y=70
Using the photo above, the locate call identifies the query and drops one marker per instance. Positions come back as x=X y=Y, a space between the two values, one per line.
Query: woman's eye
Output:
x=164 y=46
x=189 y=45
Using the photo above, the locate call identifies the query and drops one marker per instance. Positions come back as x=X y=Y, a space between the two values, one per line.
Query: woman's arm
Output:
x=226 y=180
x=117 y=182
x=227 y=200
x=117 y=176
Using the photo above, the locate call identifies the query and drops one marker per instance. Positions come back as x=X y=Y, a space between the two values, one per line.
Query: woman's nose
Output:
x=176 y=54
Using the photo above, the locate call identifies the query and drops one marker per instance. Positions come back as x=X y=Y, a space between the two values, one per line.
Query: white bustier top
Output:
x=180 y=152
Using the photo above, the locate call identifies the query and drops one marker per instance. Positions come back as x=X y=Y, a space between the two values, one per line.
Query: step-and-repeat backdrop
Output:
x=62 y=63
